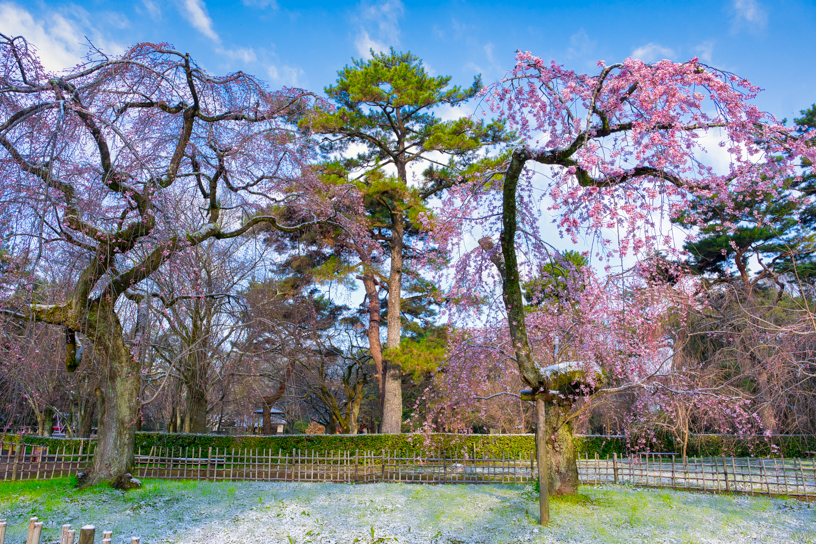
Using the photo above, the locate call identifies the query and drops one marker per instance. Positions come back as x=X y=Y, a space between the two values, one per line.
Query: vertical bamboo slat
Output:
x=17 y=461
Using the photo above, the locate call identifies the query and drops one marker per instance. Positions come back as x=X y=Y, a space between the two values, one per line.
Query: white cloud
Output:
x=749 y=12
x=380 y=26
x=652 y=52
x=705 y=50
x=262 y=4
x=364 y=44
x=244 y=54
x=488 y=49
x=285 y=75
x=116 y=20
x=153 y=9
x=195 y=11
x=580 y=45
x=60 y=41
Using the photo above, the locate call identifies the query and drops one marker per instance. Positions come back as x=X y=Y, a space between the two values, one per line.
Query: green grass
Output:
x=174 y=510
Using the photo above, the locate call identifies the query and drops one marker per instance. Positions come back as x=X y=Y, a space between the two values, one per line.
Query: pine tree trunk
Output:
x=374 y=343
x=392 y=403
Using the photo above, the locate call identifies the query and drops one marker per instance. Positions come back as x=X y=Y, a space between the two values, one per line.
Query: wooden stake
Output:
x=2 y=531
x=86 y=534
x=71 y=537
x=64 y=534
x=34 y=535
x=31 y=523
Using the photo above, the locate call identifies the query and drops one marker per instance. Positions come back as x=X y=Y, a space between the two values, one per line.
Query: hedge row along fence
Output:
x=509 y=445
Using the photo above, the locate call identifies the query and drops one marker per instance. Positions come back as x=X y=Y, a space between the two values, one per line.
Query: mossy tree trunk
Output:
x=119 y=405
x=563 y=464
x=563 y=468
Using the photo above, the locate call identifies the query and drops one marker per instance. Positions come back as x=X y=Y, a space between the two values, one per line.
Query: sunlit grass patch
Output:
x=188 y=512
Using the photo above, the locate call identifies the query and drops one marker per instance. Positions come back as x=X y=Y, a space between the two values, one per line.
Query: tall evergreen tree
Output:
x=386 y=105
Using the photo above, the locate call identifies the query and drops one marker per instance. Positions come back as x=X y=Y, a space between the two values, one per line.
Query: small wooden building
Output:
x=269 y=420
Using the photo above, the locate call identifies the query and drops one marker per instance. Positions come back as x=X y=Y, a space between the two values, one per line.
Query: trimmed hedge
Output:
x=491 y=445
x=480 y=444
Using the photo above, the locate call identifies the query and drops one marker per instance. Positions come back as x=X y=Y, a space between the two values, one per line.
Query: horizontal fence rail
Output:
x=757 y=476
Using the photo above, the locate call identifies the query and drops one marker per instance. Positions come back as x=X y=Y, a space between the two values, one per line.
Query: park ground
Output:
x=267 y=512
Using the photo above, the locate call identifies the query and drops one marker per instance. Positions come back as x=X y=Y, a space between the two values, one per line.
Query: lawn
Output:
x=250 y=512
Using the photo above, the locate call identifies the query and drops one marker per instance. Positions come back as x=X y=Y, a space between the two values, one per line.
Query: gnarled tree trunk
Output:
x=563 y=465
x=119 y=404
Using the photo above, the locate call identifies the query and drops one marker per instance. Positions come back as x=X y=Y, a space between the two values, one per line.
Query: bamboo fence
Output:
x=756 y=476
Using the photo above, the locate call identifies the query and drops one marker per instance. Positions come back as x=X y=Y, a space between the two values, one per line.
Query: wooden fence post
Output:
x=2 y=531
x=615 y=467
x=8 y=459
x=673 y=484
x=764 y=474
x=802 y=474
x=64 y=534
x=34 y=531
x=356 y=464
x=734 y=476
x=71 y=537
x=725 y=474
x=31 y=523
x=79 y=457
x=39 y=461
x=16 y=460
x=86 y=534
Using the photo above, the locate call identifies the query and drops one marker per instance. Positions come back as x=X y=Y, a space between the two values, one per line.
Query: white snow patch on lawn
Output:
x=268 y=512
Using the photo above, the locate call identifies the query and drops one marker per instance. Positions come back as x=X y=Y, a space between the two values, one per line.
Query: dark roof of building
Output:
x=272 y=411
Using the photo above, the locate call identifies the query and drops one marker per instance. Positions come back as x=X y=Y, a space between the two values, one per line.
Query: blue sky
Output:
x=305 y=43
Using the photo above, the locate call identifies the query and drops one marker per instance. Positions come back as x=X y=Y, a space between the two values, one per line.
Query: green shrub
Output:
x=493 y=445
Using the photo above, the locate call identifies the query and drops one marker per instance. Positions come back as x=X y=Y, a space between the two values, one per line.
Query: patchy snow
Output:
x=272 y=512
x=567 y=366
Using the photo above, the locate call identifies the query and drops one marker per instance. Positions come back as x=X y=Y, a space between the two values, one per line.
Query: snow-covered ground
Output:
x=265 y=512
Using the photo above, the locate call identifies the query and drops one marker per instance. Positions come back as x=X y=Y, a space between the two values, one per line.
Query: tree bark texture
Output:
x=392 y=402
x=119 y=409
x=563 y=465
x=195 y=408
x=542 y=461
x=374 y=343
x=86 y=415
